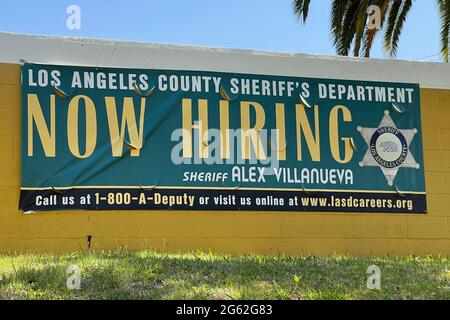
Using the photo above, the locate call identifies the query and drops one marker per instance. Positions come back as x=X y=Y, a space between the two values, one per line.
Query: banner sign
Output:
x=130 y=139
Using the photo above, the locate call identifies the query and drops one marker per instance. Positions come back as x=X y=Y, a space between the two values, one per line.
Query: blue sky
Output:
x=246 y=24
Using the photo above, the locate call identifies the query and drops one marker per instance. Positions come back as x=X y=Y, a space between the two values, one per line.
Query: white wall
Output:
x=105 y=53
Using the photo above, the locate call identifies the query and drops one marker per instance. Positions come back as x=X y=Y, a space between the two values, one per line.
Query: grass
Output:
x=150 y=275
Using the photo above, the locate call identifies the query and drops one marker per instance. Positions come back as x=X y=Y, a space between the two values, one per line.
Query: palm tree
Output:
x=350 y=26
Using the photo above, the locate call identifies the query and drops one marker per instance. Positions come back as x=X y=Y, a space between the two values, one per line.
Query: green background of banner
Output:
x=163 y=116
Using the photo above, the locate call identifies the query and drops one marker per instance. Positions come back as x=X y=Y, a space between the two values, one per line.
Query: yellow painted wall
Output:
x=229 y=232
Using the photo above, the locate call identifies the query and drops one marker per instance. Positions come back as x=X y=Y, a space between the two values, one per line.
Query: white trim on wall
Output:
x=125 y=54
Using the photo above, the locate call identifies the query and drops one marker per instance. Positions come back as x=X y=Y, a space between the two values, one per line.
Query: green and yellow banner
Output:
x=133 y=139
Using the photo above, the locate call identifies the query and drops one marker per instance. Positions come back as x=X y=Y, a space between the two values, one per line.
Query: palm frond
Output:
x=371 y=33
x=360 y=26
x=338 y=8
x=397 y=14
x=346 y=37
x=444 y=12
x=301 y=9
x=350 y=29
